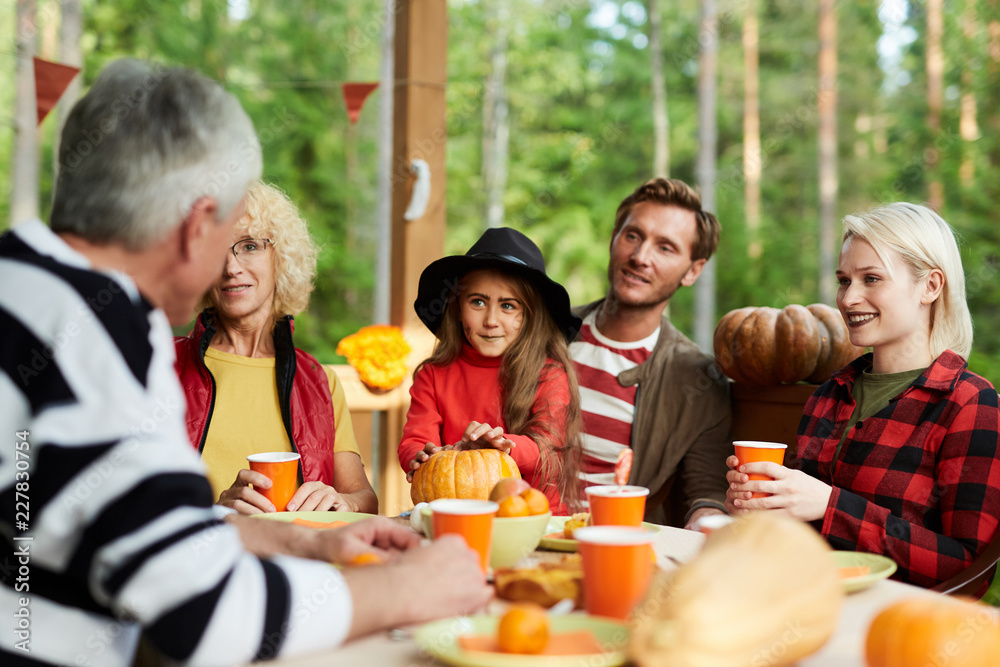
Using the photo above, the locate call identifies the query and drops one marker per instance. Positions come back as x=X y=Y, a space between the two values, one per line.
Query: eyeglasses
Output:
x=249 y=249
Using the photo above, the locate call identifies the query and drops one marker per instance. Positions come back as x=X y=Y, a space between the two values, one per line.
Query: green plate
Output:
x=556 y=525
x=440 y=639
x=322 y=517
x=881 y=568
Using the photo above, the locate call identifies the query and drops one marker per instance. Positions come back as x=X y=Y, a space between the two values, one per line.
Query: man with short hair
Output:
x=643 y=384
x=105 y=513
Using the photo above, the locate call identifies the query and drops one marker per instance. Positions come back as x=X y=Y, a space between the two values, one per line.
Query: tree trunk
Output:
x=828 y=182
x=935 y=88
x=752 y=166
x=47 y=21
x=496 y=132
x=24 y=196
x=383 y=203
x=351 y=242
x=993 y=74
x=70 y=30
x=704 y=306
x=661 y=121
x=968 y=126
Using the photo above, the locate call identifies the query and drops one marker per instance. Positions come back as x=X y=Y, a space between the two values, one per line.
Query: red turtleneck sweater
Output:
x=444 y=399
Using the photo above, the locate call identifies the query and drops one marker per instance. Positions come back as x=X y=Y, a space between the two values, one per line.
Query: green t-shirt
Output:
x=872 y=392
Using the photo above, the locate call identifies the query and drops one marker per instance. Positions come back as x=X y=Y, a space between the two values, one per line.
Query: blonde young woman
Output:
x=899 y=450
x=250 y=390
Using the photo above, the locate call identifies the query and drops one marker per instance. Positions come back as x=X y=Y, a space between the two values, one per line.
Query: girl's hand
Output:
x=482 y=436
x=792 y=491
x=429 y=449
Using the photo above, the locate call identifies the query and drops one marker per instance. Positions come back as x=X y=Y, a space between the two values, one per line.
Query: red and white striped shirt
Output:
x=608 y=408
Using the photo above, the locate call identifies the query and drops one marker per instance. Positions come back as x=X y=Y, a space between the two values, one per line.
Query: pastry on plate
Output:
x=578 y=520
x=544 y=584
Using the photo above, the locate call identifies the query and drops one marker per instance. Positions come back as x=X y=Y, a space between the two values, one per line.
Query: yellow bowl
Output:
x=513 y=537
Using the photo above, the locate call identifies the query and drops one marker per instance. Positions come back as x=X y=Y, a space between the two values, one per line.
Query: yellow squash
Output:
x=764 y=591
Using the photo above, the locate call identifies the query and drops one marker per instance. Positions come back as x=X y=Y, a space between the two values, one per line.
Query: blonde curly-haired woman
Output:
x=250 y=390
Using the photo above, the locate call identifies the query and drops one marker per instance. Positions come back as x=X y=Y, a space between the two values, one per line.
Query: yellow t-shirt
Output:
x=247 y=416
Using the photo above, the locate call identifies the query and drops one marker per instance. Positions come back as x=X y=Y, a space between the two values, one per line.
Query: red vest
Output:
x=303 y=394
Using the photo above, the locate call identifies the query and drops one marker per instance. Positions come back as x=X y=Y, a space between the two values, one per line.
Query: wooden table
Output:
x=845 y=648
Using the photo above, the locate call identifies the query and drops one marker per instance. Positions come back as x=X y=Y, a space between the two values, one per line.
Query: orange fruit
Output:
x=367 y=558
x=508 y=486
x=523 y=629
x=513 y=506
x=536 y=500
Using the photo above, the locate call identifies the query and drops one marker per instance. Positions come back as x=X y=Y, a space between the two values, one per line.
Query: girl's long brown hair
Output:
x=538 y=354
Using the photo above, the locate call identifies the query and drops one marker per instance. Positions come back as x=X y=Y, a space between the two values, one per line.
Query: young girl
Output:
x=500 y=375
x=898 y=450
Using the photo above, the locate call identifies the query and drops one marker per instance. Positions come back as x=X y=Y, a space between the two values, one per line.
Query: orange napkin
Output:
x=319 y=524
x=577 y=642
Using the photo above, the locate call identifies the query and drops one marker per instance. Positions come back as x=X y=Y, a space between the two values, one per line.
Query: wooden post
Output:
x=419 y=111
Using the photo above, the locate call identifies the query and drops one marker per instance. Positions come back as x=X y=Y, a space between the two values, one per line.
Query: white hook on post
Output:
x=421 y=190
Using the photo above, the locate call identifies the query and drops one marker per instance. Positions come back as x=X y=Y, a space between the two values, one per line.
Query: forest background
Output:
x=552 y=115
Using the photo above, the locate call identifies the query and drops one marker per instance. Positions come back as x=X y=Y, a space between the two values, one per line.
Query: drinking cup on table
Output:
x=707 y=525
x=282 y=468
x=617 y=505
x=751 y=451
x=617 y=566
x=472 y=519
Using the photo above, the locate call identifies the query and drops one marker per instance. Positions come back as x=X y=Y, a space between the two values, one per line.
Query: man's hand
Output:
x=377 y=535
x=437 y=580
x=242 y=498
x=792 y=491
x=482 y=436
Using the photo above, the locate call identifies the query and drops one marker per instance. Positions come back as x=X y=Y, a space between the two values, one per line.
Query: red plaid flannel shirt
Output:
x=920 y=480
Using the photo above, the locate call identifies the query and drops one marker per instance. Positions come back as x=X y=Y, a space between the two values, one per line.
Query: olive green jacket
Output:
x=681 y=424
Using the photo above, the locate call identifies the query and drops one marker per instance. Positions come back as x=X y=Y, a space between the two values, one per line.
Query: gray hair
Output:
x=142 y=147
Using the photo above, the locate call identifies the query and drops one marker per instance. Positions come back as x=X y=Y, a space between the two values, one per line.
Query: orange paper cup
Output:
x=751 y=451
x=282 y=468
x=615 y=505
x=616 y=568
x=472 y=519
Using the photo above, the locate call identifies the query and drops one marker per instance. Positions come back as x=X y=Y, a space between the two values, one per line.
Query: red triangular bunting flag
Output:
x=355 y=95
x=51 y=81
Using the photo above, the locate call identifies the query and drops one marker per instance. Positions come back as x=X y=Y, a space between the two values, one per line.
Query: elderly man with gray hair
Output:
x=105 y=506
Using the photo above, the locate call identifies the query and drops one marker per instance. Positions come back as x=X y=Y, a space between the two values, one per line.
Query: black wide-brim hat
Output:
x=500 y=248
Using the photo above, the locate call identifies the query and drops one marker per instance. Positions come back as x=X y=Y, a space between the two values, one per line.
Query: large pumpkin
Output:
x=770 y=346
x=461 y=474
x=934 y=631
x=765 y=590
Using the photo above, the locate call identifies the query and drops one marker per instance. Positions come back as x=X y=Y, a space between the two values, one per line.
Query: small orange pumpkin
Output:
x=461 y=474
x=766 y=346
x=934 y=631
